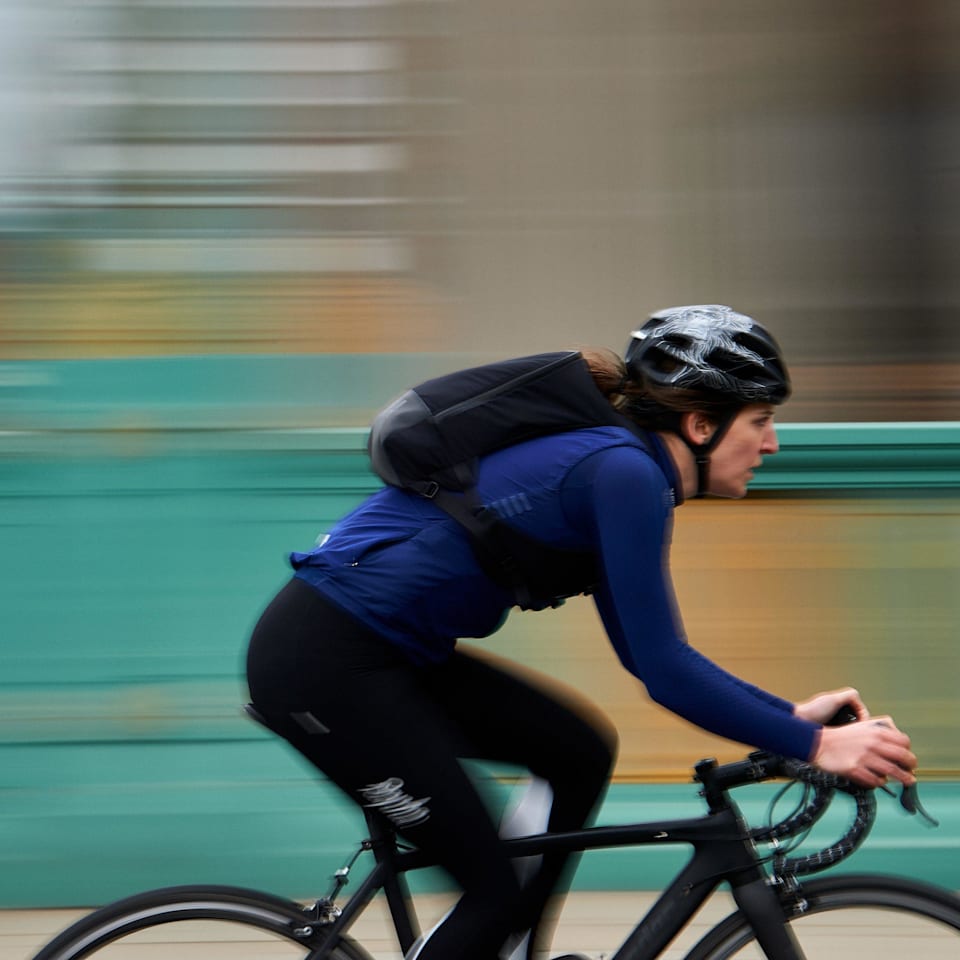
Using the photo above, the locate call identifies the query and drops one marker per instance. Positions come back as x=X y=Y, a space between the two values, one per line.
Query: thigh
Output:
x=533 y=722
x=361 y=712
x=398 y=753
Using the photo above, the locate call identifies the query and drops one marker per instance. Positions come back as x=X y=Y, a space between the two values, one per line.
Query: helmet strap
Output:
x=702 y=451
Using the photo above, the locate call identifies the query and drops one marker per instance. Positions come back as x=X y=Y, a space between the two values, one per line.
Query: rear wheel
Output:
x=870 y=916
x=195 y=922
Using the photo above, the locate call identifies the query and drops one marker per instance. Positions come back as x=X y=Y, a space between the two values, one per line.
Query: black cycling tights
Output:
x=391 y=733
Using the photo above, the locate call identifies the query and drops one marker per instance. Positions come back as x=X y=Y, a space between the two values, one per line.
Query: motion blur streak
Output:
x=388 y=175
x=230 y=230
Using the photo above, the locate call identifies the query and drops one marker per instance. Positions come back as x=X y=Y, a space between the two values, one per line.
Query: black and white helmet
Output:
x=709 y=348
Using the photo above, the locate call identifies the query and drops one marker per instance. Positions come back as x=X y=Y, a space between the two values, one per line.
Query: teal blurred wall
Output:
x=229 y=232
x=145 y=518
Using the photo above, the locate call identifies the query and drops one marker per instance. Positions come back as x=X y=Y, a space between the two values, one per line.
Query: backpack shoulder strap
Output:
x=538 y=575
x=488 y=538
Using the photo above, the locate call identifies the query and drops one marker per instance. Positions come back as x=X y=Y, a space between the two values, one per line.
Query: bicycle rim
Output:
x=195 y=922
x=883 y=918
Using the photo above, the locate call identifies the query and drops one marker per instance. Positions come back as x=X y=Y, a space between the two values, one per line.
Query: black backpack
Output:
x=430 y=438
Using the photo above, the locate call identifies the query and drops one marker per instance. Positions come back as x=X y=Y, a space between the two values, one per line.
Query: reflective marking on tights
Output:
x=400 y=808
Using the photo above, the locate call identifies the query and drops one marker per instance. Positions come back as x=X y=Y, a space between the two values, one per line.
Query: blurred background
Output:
x=229 y=231
x=371 y=177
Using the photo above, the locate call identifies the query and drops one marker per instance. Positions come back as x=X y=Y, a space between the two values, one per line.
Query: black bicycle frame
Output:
x=722 y=852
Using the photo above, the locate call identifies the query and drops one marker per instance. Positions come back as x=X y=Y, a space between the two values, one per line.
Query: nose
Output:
x=770 y=443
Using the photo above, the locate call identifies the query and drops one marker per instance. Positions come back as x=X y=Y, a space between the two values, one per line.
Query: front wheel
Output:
x=881 y=918
x=197 y=922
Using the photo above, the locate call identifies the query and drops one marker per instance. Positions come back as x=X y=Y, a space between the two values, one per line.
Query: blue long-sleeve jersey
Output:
x=407 y=570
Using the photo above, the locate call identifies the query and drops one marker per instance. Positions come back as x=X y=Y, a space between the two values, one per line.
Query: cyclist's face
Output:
x=751 y=436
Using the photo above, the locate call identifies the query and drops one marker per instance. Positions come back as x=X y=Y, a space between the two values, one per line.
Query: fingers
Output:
x=858 y=706
x=868 y=753
x=850 y=697
x=825 y=707
x=877 y=769
x=897 y=759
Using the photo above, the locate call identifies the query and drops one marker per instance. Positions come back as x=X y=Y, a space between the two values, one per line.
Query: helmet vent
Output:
x=728 y=362
x=664 y=362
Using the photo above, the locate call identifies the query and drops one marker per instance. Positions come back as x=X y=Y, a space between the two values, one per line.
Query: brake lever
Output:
x=910 y=801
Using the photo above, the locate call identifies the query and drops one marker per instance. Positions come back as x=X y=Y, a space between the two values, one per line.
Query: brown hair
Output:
x=650 y=406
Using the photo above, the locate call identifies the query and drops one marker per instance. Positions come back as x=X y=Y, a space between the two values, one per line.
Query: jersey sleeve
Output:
x=619 y=498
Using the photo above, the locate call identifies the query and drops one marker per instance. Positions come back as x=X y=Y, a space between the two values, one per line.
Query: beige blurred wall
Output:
x=793 y=159
x=491 y=178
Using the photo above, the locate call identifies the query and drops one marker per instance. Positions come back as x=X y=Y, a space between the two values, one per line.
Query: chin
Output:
x=731 y=493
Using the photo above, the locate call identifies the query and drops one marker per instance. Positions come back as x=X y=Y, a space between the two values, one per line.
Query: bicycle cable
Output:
x=796 y=839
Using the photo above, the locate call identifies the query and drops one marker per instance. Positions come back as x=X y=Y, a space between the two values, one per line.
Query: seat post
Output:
x=383 y=843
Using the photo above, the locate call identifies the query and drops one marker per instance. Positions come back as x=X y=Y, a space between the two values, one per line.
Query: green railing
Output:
x=836 y=457
x=320 y=404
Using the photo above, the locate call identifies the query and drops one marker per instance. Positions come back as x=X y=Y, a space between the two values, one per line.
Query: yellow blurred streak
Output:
x=796 y=596
x=83 y=317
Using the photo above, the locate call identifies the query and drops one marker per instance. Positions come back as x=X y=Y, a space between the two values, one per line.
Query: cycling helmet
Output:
x=714 y=353
x=710 y=348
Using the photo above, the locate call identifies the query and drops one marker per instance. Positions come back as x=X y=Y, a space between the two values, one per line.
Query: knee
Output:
x=596 y=751
x=608 y=743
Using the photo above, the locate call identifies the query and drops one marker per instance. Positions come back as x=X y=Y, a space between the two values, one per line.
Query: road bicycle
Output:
x=778 y=914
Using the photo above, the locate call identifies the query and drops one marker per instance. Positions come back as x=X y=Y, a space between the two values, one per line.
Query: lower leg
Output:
x=474 y=930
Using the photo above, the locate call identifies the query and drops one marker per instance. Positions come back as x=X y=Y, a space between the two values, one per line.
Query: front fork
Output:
x=766 y=912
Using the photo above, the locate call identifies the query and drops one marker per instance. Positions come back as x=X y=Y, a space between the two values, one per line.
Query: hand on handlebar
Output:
x=867 y=752
x=825 y=707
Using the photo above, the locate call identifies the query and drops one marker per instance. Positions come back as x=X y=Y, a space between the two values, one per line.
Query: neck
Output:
x=683 y=460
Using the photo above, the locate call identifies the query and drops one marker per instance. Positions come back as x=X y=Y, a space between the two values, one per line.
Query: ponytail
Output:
x=650 y=406
x=609 y=373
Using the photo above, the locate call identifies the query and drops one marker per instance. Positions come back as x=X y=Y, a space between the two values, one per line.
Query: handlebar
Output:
x=760 y=766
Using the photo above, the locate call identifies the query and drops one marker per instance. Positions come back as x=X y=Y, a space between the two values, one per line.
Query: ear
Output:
x=697 y=427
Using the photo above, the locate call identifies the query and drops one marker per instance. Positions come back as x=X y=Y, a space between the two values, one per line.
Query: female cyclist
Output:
x=355 y=661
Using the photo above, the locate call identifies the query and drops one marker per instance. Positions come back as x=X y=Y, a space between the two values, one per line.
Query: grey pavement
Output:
x=594 y=924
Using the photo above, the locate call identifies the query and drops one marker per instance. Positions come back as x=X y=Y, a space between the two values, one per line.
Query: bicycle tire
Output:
x=903 y=917
x=202 y=915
